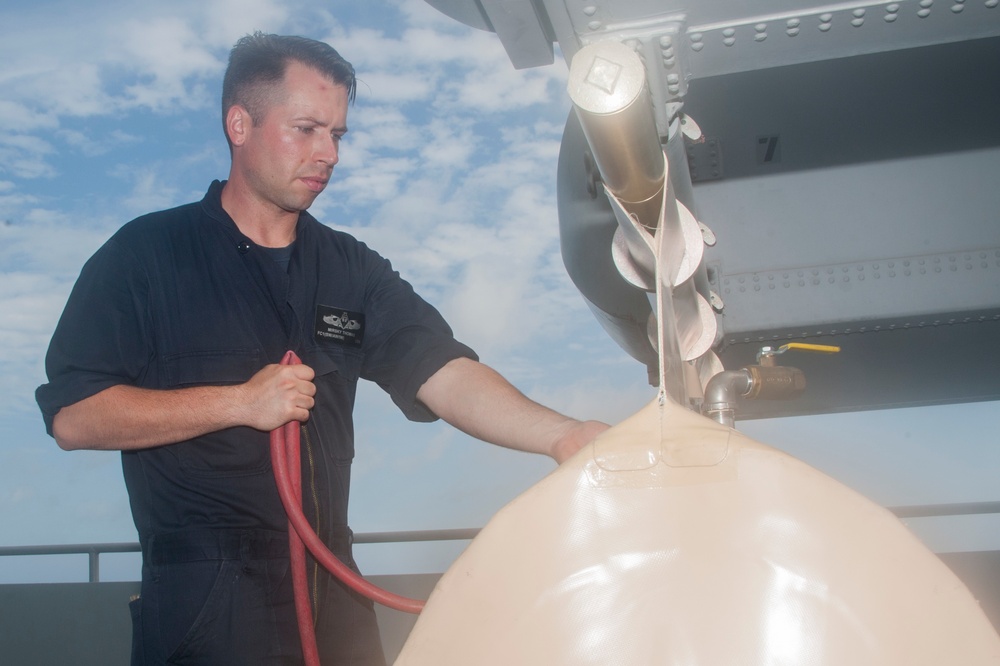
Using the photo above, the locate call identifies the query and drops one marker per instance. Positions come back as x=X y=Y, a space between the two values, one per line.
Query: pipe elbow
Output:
x=727 y=386
x=721 y=395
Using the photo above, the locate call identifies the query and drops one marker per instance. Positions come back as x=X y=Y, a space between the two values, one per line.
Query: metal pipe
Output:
x=721 y=395
x=607 y=84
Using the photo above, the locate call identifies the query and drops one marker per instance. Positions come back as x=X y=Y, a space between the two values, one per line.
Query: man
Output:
x=167 y=351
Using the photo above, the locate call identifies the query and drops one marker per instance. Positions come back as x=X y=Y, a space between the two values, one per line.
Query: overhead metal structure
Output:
x=840 y=161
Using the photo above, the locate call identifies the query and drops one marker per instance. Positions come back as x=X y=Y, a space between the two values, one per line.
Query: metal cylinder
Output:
x=607 y=84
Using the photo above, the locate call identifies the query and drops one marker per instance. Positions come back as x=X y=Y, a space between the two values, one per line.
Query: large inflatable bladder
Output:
x=673 y=540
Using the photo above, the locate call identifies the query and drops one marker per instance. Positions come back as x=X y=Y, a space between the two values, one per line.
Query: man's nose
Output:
x=328 y=151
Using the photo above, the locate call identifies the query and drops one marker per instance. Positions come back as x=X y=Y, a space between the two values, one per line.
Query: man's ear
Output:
x=238 y=122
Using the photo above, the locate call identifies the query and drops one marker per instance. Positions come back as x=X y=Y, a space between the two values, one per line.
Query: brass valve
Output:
x=770 y=381
x=765 y=381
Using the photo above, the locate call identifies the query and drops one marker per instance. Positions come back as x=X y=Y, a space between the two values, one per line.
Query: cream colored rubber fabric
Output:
x=697 y=547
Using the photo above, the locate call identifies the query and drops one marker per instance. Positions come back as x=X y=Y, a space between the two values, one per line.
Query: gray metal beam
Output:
x=521 y=31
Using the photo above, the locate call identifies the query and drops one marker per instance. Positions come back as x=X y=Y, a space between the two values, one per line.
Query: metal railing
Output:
x=936 y=510
x=95 y=550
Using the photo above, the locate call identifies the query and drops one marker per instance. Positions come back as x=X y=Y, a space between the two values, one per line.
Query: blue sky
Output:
x=109 y=109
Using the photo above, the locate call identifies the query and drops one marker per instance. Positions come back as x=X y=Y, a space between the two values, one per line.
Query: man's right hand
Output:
x=278 y=394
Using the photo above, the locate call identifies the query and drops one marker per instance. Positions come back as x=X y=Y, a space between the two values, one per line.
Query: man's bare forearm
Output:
x=126 y=417
x=480 y=402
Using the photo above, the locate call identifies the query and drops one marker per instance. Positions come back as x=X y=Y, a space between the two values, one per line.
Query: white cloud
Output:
x=51 y=245
x=13 y=203
x=82 y=142
x=166 y=54
x=23 y=156
x=366 y=48
x=377 y=128
x=393 y=87
x=495 y=91
x=31 y=303
x=148 y=194
x=18 y=117
x=60 y=84
x=224 y=21
x=419 y=13
x=490 y=304
x=449 y=145
x=40 y=257
x=94 y=145
x=588 y=397
x=375 y=181
x=151 y=55
x=472 y=49
x=468 y=216
x=415 y=48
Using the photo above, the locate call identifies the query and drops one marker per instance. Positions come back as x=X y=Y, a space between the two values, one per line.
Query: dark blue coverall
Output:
x=182 y=298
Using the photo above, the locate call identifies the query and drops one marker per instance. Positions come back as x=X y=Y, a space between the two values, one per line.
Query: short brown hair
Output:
x=259 y=60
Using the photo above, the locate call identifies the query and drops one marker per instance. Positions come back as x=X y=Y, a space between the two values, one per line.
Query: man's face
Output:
x=289 y=154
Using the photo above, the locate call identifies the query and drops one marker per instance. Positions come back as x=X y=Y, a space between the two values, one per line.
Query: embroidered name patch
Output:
x=339 y=325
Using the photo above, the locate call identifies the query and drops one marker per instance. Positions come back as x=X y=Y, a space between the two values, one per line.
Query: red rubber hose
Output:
x=284 y=458
x=280 y=449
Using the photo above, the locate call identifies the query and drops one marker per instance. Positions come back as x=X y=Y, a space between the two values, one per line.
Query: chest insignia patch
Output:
x=339 y=325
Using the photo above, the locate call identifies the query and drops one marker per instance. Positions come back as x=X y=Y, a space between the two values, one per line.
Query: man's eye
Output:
x=306 y=130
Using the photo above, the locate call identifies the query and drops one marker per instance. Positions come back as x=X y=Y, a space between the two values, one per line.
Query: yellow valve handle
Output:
x=766 y=355
x=823 y=349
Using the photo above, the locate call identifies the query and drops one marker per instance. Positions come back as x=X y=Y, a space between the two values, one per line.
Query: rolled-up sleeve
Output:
x=102 y=338
x=409 y=341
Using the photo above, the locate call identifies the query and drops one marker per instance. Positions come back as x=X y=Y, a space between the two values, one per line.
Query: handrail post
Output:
x=95 y=565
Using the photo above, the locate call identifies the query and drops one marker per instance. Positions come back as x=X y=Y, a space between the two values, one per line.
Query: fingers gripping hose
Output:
x=285 y=460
